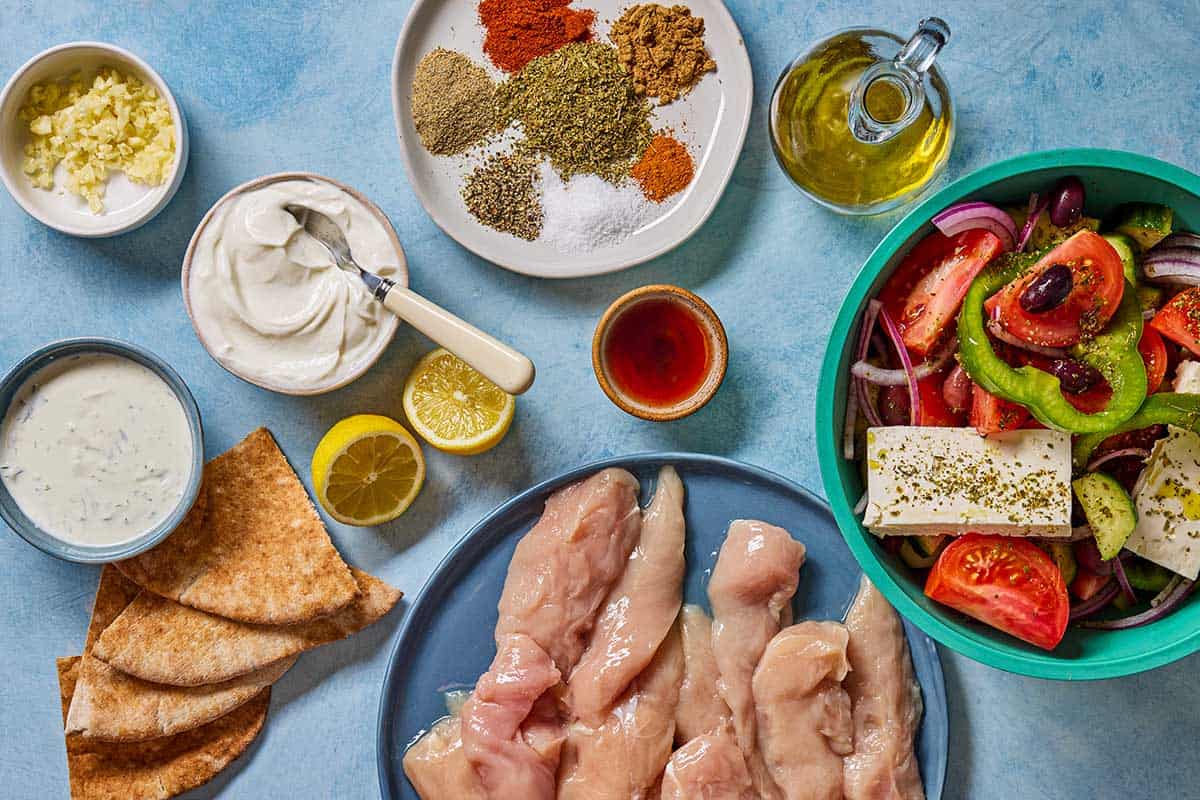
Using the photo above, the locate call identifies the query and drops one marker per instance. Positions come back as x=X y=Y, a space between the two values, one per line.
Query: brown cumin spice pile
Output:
x=663 y=48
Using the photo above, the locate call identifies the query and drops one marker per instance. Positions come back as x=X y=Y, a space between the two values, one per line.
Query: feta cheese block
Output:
x=1187 y=377
x=1168 y=504
x=925 y=481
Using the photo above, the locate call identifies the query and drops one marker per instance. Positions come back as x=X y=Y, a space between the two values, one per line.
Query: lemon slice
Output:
x=367 y=470
x=453 y=407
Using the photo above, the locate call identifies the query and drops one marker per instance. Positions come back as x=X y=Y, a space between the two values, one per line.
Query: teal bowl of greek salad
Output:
x=1008 y=415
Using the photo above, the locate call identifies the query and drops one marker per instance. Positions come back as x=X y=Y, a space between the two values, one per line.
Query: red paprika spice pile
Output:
x=519 y=31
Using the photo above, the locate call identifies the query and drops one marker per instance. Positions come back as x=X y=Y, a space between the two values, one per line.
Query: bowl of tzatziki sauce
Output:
x=101 y=449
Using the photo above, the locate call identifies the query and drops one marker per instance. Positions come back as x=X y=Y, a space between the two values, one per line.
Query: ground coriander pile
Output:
x=577 y=107
x=453 y=106
x=663 y=48
x=503 y=193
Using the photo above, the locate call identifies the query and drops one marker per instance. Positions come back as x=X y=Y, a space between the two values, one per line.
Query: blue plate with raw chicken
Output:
x=447 y=642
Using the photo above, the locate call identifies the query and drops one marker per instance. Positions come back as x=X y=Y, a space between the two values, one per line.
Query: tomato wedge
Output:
x=1098 y=283
x=926 y=291
x=934 y=411
x=1007 y=583
x=1154 y=353
x=991 y=414
x=1179 y=319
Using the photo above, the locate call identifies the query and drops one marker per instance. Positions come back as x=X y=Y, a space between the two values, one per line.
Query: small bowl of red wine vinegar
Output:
x=660 y=352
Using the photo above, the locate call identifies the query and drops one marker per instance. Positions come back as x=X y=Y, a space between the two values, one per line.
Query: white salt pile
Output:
x=586 y=212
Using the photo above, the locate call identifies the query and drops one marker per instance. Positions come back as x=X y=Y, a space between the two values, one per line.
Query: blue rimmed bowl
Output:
x=1110 y=178
x=48 y=354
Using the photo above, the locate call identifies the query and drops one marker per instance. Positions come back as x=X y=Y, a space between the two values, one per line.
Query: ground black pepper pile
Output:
x=503 y=194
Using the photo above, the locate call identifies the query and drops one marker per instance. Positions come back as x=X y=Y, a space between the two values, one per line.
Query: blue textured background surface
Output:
x=274 y=86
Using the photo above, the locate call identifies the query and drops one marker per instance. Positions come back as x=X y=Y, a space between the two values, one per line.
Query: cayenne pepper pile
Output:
x=519 y=31
x=664 y=169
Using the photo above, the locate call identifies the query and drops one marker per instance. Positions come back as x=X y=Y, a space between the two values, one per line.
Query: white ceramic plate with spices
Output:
x=711 y=121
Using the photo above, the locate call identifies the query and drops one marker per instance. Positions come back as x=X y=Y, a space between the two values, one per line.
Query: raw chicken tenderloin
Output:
x=750 y=591
x=701 y=709
x=438 y=768
x=492 y=718
x=623 y=757
x=639 y=611
x=886 y=703
x=567 y=563
x=804 y=725
x=709 y=767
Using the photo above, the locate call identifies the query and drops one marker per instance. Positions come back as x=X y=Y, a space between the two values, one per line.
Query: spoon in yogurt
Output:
x=496 y=361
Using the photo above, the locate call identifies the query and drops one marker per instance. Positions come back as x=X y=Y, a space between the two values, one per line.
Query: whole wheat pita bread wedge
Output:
x=258 y=553
x=112 y=706
x=164 y=642
x=160 y=768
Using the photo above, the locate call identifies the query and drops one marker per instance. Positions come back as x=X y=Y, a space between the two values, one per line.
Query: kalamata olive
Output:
x=956 y=390
x=1066 y=202
x=895 y=407
x=1075 y=377
x=1048 y=290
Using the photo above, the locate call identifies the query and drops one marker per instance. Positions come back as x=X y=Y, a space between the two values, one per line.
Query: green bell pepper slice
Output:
x=1164 y=408
x=1114 y=353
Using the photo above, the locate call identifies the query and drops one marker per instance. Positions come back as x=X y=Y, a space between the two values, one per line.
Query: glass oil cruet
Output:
x=863 y=121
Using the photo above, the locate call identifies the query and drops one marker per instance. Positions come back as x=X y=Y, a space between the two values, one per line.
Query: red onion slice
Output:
x=861 y=506
x=880 y=376
x=1123 y=580
x=1036 y=207
x=914 y=391
x=1179 y=239
x=1177 y=266
x=850 y=424
x=966 y=216
x=1167 y=601
x=1096 y=602
x=1125 y=452
x=865 y=406
x=996 y=329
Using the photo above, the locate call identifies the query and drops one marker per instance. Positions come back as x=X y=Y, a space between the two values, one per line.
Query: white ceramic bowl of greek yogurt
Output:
x=271 y=306
x=101 y=449
x=127 y=205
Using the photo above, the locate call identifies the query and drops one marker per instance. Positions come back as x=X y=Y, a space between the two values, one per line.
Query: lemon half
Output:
x=453 y=407
x=367 y=470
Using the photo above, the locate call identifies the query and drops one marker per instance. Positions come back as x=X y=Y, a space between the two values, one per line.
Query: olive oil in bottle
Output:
x=863 y=121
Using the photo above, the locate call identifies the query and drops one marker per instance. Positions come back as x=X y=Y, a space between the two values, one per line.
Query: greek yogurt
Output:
x=96 y=449
x=269 y=302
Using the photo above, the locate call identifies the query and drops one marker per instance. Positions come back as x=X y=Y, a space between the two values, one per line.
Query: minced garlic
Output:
x=119 y=123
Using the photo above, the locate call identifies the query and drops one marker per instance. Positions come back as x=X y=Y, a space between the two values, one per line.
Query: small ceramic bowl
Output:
x=11 y=513
x=718 y=352
x=127 y=205
x=400 y=278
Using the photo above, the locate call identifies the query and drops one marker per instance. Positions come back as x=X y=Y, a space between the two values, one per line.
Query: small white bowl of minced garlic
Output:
x=92 y=142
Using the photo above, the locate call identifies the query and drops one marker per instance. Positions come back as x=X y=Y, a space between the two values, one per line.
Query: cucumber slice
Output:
x=1150 y=296
x=1109 y=510
x=1146 y=576
x=1046 y=234
x=1124 y=247
x=1063 y=557
x=930 y=545
x=1145 y=223
x=915 y=559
